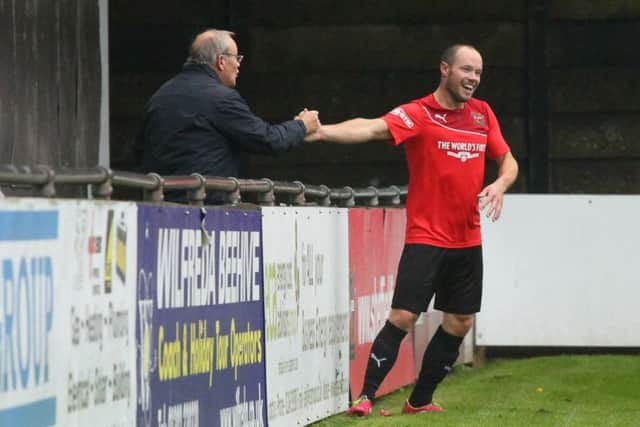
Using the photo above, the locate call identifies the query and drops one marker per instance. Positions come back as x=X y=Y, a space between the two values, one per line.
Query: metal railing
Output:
x=101 y=182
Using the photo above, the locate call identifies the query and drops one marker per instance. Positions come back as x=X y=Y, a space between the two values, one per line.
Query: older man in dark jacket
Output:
x=198 y=123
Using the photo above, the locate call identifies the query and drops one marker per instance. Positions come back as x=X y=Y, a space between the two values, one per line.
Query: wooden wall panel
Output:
x=599 y=43
x=594 y=66
x=51 y=91
x=142 y=13
x=514 y=131
x=292 y=13
x=336 y=174
x=596 y=176
x=89 y=80
x=520 y=186
x=8 y=84
x=123 y=134
x=131 y=90
x=66 y=72
x=340 y=95
x=156 y=47
x=596 y=136
x=379 y=47
x=595 y=10
x=595 y=89
x=154 y=35
x=325 y=153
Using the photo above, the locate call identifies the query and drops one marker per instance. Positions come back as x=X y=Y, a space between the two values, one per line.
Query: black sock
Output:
x=439 y=357
x=382 y=357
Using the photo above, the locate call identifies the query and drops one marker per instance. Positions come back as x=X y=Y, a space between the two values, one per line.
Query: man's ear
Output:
x=444 y=68
x=218 y=63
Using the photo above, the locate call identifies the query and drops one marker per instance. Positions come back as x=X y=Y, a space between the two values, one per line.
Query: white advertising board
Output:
x=306 y=279
x=67 y=301
x=561 y=270
x=99 y=371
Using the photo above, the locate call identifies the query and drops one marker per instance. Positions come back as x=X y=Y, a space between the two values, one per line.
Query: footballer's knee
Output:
x=402 y=319
x=457 y=324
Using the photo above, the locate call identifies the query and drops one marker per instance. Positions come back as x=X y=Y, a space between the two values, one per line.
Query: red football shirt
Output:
x=445 y=152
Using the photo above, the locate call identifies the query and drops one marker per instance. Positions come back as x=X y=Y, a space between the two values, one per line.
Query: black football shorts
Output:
x=453 y=275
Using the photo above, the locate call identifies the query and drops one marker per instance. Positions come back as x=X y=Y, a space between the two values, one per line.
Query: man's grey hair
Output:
x=206 y=46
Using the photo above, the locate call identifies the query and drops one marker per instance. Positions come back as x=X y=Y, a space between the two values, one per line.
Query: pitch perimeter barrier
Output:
x=42 y=181
x=307 y=313
x=67 y=294
x=376 y=239
x=120 y=314
x=200 y=326
x=562 y=271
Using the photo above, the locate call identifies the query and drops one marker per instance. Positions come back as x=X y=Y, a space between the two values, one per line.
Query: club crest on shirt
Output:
x=478 y=118
x=403 y=116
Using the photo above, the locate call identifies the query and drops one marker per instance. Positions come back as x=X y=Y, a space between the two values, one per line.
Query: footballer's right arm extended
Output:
x=353 y=131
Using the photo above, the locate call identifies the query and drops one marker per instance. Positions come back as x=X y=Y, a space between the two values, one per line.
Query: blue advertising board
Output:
x=200 y=317
x=28 y=247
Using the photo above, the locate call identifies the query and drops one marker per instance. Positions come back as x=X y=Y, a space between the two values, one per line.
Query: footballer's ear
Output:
x=444 y=68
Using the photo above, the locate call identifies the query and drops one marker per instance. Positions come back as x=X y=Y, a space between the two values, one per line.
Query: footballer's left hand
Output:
x=491 y=199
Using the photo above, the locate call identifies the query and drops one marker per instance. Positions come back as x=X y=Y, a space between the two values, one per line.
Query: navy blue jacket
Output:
x=195 y=124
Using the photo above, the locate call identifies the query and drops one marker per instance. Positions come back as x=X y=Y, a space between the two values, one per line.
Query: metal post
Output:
x=538 y=103
x=196 y=196
x=157 y=194
x=47 y=189
x=268 y=198
x=104 y=189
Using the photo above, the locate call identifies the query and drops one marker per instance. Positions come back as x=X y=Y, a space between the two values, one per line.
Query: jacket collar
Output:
x=201 y=68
